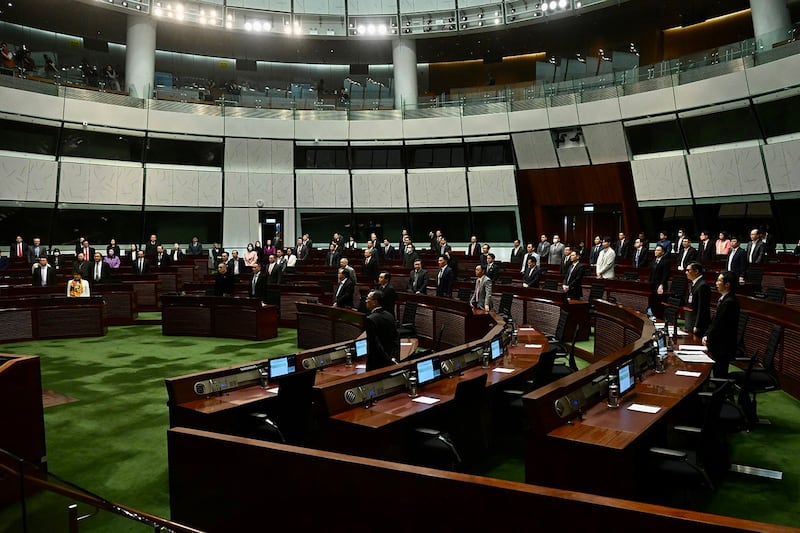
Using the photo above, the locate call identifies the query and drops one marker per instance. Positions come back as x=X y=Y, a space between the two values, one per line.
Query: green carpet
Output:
x=112 y=441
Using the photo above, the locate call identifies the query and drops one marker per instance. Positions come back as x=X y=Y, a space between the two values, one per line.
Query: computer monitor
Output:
x=361 y=348
x=626 y=377
x=282 y=366
x=497 y=349
x=428 y=370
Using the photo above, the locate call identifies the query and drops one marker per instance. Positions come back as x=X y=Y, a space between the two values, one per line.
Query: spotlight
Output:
x=544 y=6
x=463 y=26
x=578 y=4
x=371 y=29
x=138 y=8
x=362 y=29
x=480 y=23
x=562 y=4
x=157 y=12
x=497 y=21
x=257 y=25
x=248 y=26
x=382 y=30
x=124 y=4
x=202 y=20
x=553 y=5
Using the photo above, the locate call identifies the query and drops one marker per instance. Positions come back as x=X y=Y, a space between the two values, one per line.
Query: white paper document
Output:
x=694 y=357
x=693 y=347
x=273 y=390
x=364 y=366
x=406 y=343
x=533 y=345
x=427 y=400
x=643 y=408
x=688 y=374
x=503 y=370
x=526 y=329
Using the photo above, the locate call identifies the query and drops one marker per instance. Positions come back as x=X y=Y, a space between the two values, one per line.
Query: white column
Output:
x=404 y=59
x=140 y=56
x=768 y=17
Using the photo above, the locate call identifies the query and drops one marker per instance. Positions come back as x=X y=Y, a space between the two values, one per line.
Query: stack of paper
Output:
x=694 y=357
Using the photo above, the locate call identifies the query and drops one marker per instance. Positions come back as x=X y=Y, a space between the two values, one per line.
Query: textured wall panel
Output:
x=660 y=178
x=606 y=143
x=446 y=188
x=496 y=187
x=379 y=189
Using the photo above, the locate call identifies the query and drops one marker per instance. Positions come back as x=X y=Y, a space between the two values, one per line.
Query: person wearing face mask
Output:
x=556 y=252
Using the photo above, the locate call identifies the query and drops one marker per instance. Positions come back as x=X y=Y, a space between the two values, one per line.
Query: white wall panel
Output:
x=158 y=186
x=236 y=189
x=366 y=130
x=240 y=227
x=437 y=188
x=74 y=184
x=646 y=103
x=379 y=189
x=783 y=166
x=28 y=179
x=773 y=76
x=103 y=180
x=495 y=187
x=325 y=130
x=315 y=189
x=711 y=91
x=599 y=111
x=187 y=123
x=485 y=124
x=727 y=172
x=573 y=157
x=244 y=189
x=535 y=150
x=184 y=187
x=259 y=128
x=563 y=115
x=41 y=180
x=33 y=104
x=661 y=178
x=209 y=188
x=282 y=157
x=432 y=127
x=606 y=143
x=129 y=185
x=236 y=154
x=528 y=120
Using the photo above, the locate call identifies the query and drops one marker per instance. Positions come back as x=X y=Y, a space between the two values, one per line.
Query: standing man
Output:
x=332 y=257
x=176 y=254
x=195 y=247
x=721 y=335
x=756 y=248
x=383 y=342
x=369 y=271
x=418 y=279
x=44 y=274
x=19 y=250
x=596 y=247
x=659 y=271
x=151 y=248
x=482 y=295
x=574 y=278
x=444 y=278
x=258 y=284
x=530 y=252
x=81 y=265
x=687 y=254
x=543 y=249
x=705 y=249
x=517 y=254
x=35 y=250
x=88 y=251
x=389 y=294
x=698 y=319
x=101 y=272
x=216 y=254
x=623 y=249
x=140 y=265
x=235 y=265
x=474 y=248
x=274 y=271
x=443 y=247
x=605 y=261
x=492 y=270
x=343 y=297
x=162 y=258
x=556 y=253
x=737 y=259
x=388 y=250
x=639 y=254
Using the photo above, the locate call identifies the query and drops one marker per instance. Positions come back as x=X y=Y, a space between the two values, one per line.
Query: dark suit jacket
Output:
x=344 y=297
x=369 y=272
x=517 y=256
x=659 y=273
x=594 y=253
x=389 y=297
x=223 y=283
x=83 y=268
x=722 y=333
x=444 y=283
x=31 y=253
x=700 y=315
x=163 y=261
x=105 y=273
x=301 y=252
x=135 y=266
x=172 y=258
x=684 y=260
x=418 y=282
x=193 y=249
x=737 y=261
x=50 y=276
x=531 y=276
x=232 y=261
x=705 y=251
x=389 y=253
x=473 y=251
x=332 y=258
x=574 y=281
x=383 y=342
x=151 y=249
x=626 y=249
x=259 y=289
x=275 y=277
x=12 y=250
x=89 y=256
x=446 y=249
x=640 y=261
x=493 y=271
x=758 y=253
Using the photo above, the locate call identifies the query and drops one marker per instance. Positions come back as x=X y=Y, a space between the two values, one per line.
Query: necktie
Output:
x=569 y=274
x=141 y=265
x=477 y=288
x=255 y=280
x=19 y=249
x=637 y=257
x=97 y=272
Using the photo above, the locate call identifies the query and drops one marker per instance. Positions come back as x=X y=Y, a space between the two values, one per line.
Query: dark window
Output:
x=454 y=225
x=180 y=226
x=100 y=145
x=436 y=156
x=25 y=137
x=729 y=126
x=490 y=153
x=178 y=152
x=321 y=226
x=780 y=117
x=29 y=222
x=98 y=226
x=332 y=157
x=386 y=157
x=656 y=137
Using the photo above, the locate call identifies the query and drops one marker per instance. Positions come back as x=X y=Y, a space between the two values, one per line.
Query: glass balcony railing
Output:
x=369 y=105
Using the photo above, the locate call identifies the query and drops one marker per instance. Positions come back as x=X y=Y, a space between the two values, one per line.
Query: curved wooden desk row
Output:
x=218 y=316
x=120 y=298
x=51 y=318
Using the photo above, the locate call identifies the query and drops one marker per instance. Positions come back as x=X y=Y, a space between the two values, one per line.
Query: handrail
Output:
x=84 y=496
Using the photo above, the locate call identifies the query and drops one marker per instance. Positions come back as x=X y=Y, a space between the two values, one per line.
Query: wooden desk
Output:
x=51 y=318
x=461 y=324
x=319 y=325
x=120 y=299
x=218 y=316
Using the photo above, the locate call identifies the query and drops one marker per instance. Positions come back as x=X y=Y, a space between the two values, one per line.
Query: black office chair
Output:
x=741 y=328
x=464 y=438
x=561 y=369
x=631 y=276
x=758 y=379
x=542 y=375
x=678 y=289
x=556 y=339
x=504 y=280
x=506 y=299
x=775 y=294
x=407 y=328
x=596 y=292
x=550 y=284
x=705 y=461
x=291 y=417
x=464 y=294
x=755 y=276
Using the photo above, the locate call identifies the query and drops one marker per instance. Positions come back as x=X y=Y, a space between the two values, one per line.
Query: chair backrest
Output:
x=543 y=371
x=771 y=348
x=596 y=291
x=505 y=280
x=550 y=284
x=439 y=339
x=464 y=294
x=409 y=313
x=294 y=413
x=506 y=300
x=572 y=364
x=670 y=315
x=744 y=316
x=561 y=327
x=776 y=294
x=468 y=424
x=755 y=275
x=678 y=289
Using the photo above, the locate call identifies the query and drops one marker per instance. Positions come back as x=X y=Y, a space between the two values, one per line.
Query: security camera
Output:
x=85 y=123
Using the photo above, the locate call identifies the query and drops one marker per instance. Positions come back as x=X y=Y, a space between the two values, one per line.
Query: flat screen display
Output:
x=282 y=366
x=428 y=370
x=497 y=349
x=627 y=378
x=361 y=348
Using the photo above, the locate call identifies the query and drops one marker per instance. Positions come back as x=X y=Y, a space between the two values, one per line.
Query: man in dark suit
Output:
x=444 y=278
x=482 y=294
x=99 y=271
x=737 y=259
x=35 y=251
x=639 y=254
x=161 y=258
x=235 y=265
x=43 y=274
x=623 y=246
x=517 y=254
x=418 y=279
x=140 y=265
x=698 y=319
x=216 y=253
x=574 y=278
x=721 y=336
x=343 y=296
x=389 y=294
x=705 y=249
x=659 y=271
x=443 y=247
x=369 y=268
x=176 y=254
x=333 y=255
x=81 y=265
x=195 y=247
x=274 y=271
x=383 y=342
x=687 y=254
x=543 y=249
x=151 y=248
x=338 y=240
x=87 y=251
x=387 y=251
x=491 y=268
x=566 y=261
x=532 y=273
x=595 y=253
x=18 y=250
x=474 y=248
x=258 y=284
x=756 y=248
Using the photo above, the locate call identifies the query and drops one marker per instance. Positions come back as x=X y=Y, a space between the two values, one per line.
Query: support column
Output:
x=404 y=60
x=769 y=16
x=140 y=56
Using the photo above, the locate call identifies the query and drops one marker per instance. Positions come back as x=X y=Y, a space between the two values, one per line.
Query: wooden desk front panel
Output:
x=16 y=325
x=244 y=323
x=186 y=320
x=83 y=321
x=148 y=294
